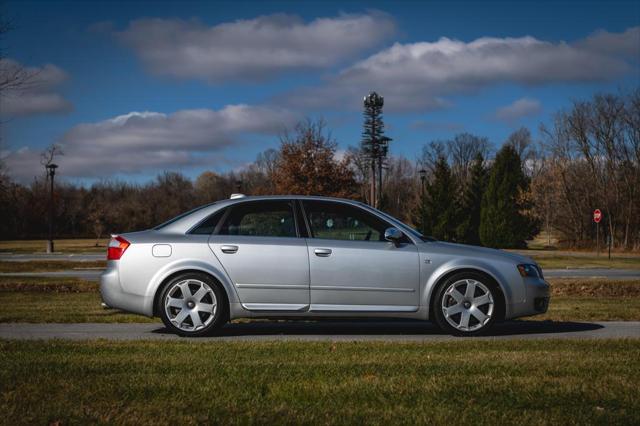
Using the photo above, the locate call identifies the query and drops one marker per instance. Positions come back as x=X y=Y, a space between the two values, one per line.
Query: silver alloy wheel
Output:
x=467 y=305
x=190 y=305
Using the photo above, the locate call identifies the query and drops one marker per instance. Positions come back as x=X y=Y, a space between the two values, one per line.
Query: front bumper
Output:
x=538 y=295
x=536 y=300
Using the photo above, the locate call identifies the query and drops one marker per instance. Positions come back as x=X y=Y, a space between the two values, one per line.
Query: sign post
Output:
x=597 y=217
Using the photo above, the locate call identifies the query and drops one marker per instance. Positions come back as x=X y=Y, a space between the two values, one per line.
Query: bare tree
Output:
x=49 y=154
x=594 y=153
x=462 y=150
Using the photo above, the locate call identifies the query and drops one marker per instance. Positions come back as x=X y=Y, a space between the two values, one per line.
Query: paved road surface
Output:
x=618 y=274
x=325 y=331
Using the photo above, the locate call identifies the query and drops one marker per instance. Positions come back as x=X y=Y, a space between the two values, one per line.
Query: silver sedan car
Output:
x=312 y=257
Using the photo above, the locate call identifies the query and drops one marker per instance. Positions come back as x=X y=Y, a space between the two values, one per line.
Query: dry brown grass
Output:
x=594 y=287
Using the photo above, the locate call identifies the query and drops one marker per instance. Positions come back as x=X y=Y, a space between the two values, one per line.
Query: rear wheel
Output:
x=192 y=305
x=467 y=304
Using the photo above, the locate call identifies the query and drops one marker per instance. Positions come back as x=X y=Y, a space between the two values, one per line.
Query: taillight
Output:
x=117 y=247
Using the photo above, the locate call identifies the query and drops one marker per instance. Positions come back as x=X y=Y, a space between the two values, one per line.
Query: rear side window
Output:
x=207 y=226
x=261 y=219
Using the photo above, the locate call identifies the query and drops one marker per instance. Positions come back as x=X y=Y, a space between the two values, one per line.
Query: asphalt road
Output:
x=414 y=331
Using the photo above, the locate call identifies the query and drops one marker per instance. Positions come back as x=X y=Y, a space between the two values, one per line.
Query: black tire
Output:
x=220 y=316
x=496 y=311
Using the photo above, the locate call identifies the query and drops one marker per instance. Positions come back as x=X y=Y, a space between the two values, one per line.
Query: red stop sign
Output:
x=597 y=215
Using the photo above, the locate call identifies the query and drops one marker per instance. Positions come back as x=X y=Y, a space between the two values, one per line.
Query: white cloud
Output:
x=152 y=141
x=523 y=107
x=254 y=49
x=626 y=43
x=420 y=76
x=31 y=90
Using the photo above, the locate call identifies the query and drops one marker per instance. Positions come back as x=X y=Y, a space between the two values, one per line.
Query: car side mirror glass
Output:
x=394 y=235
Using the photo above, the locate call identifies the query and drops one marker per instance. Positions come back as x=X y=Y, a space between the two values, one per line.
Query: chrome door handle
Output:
x=229 y=249
x=322 y=252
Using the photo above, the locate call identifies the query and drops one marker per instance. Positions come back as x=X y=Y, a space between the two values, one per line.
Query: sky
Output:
x=130 y=89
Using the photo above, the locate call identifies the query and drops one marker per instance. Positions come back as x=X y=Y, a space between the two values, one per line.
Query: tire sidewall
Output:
x=436 y=305
x=220 y=317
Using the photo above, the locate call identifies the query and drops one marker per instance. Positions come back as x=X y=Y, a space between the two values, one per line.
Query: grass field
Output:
x=63 y=246
x=500 y=382
x=562 y=259
x=572 y=261
x=50 y=265
x=72 y=300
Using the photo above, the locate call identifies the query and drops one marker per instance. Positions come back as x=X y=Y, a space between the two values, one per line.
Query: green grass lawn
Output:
x=64 y=246
x=562 y=259
x=565 y=308
x=47 y=285
x=69 y=307
x=31 y=306
x=50 y=265
x=564 y=262
x=73 y=300
x=461 y=382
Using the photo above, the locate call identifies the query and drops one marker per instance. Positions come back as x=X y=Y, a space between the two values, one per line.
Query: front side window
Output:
x=336 y=221
x=261 y=219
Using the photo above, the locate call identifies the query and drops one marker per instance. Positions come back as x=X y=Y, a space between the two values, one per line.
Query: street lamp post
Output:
x=423 y=178
x=51 y=172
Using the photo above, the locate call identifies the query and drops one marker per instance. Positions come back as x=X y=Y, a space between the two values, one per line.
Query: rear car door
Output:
x=258 y=245
x=352 y=267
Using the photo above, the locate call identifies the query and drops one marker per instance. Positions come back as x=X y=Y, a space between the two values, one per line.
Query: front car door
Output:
x=258 y=245
x=352 y=267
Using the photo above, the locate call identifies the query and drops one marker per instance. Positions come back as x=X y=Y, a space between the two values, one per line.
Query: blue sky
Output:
x=208 y=85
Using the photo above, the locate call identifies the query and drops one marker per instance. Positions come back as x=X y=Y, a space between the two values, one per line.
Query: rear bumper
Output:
x=114 y=297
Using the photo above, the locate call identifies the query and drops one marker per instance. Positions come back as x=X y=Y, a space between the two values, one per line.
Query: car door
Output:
x=352 y=267
x=258 y=245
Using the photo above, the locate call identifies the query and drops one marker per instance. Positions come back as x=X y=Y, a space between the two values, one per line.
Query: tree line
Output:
x=465 y=189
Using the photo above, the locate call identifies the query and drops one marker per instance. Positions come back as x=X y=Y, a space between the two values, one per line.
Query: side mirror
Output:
x=394 y=235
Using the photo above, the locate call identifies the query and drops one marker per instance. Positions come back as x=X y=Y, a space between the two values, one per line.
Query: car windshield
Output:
x=177 y=218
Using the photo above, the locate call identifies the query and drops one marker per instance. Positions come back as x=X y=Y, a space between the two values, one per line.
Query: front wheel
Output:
x=192 y=305
x=466 y=304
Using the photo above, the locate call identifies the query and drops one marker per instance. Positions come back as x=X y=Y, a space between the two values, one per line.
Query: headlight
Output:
x=529 y=271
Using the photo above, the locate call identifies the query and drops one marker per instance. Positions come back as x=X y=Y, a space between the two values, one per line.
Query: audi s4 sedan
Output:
x=312 y=257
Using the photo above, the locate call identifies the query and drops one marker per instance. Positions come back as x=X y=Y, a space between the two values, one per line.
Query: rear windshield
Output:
x=177 y=218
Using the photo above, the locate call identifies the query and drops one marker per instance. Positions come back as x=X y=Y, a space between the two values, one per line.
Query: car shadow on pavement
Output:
x=387 y=328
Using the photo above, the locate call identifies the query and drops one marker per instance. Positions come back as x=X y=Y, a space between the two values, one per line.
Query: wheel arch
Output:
x=227 y=292
x=441 y=278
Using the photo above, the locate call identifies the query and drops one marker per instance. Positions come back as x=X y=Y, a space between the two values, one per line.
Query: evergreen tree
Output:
x=439 y=205
x=502 y=222
x=469 y=228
